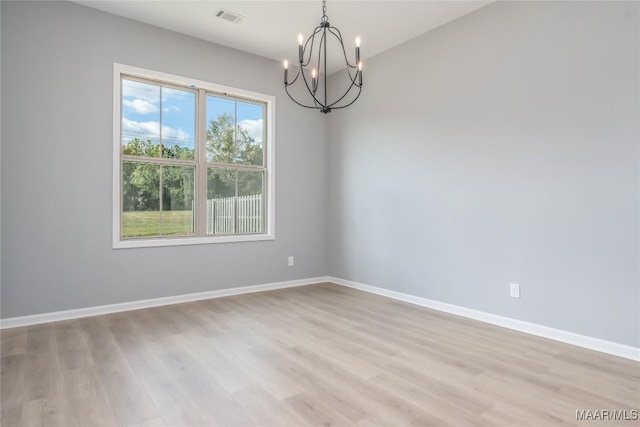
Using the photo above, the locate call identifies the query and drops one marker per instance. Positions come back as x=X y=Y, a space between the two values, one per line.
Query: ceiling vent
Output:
x=229 y=16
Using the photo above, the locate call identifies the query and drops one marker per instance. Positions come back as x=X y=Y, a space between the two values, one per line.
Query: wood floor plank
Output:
x=87 y=404
x=42 y=366
x=205 y=393
x=431 y=400
x=12 y=375
x=11 y=415
x=156 y=422
x=265 y=375
x=525 y=398
x=13 y=341
x=47 y=411
x=170 y=400
x=11 y=389
x=462 y=391
x=231 y=376
x=313 y=380
x=129 y=402
x=374 y=401
x=359 y=365
x=72 y=346
x=313 y=410
x=320 y=355
x=266 y=410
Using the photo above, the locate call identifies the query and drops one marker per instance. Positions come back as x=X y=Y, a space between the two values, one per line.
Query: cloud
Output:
x=169 y=94
x=254 y=127
x=175 y=135
x=144 y=98
x=151 y=130
x=140 y=106
x=142 y=91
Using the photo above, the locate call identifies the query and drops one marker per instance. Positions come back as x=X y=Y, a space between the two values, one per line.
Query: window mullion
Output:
x=201 y=164
x=236 y=166
x=160 y=128
x=160 y=200
x=157 y=161
x=161 y=149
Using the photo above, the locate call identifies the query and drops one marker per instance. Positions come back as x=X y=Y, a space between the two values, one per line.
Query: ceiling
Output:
x=270 y=28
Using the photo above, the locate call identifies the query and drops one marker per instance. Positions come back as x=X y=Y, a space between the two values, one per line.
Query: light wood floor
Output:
x=319 y=355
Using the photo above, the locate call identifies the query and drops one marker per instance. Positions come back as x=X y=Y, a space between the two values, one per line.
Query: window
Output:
x=193 y=161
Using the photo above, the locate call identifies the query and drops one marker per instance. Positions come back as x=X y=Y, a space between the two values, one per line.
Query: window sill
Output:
x=186 y=241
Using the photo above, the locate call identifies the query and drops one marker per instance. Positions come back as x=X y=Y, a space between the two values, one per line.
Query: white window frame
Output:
x=269 y=187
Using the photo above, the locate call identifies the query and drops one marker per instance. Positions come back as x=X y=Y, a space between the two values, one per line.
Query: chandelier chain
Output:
x=325 y=18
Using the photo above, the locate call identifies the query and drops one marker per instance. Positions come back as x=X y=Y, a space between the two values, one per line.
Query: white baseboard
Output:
x=591 y=343
x=14 y=322
x=596 y=344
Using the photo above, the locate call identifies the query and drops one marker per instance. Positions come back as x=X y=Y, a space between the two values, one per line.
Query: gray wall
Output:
x=56 y=166
x=502 y=147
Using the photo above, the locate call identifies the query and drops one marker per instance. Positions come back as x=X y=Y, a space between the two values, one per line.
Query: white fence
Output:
x=222 y=218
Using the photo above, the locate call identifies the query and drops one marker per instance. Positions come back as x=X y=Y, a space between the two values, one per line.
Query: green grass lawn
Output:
x=147 y=223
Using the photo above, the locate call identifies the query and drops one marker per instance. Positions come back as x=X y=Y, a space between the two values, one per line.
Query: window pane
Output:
x=250 y=204
x=161 y=125
x=235 y=201
x=178 y=124
x=220 y=130
x=140 y=200
x=249 y=133
x=178 y=185
x=140 y=119
x=221 y=201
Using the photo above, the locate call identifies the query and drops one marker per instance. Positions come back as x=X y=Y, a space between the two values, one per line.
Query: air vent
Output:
x=229 y=16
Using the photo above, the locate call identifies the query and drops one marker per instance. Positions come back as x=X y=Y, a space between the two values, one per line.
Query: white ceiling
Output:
x=270 y=28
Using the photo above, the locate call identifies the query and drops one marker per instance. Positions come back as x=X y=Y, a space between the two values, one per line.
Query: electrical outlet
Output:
x=514 y=290
x=290 y=261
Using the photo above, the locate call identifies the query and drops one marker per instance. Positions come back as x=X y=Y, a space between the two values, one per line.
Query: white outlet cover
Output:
x=290 y=261
x=514 y=290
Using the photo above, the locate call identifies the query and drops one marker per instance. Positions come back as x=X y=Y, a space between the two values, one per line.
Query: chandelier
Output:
x=312 y=54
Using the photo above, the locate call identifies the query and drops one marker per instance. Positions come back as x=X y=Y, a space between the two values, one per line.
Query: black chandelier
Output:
x=306 y=55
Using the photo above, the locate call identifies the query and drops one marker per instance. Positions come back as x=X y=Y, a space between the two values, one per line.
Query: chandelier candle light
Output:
x=318 y=40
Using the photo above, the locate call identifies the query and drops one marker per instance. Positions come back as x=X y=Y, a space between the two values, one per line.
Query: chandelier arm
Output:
x=294 y=80
x=304 y=78
x=354 y=100
x=317 y=103
x=311 y=38
x=320 y=54
x=313 y=95
x=294 y=100
x=353 y=79
x=317 y=106
x=344 y=51
x=353 y=83
x=349 y=66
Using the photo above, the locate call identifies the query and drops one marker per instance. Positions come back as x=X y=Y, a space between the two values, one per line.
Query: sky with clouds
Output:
x=145 y=105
